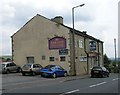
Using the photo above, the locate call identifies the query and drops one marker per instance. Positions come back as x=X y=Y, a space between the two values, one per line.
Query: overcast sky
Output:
x=98 y=17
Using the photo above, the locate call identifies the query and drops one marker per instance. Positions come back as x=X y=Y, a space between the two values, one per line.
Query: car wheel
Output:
x=33 y=73
x=18 y=70
x=92 y=76
x=65 y=74
x=41 y=75
x=103 y=76
x=54 y=75
x=7 y=71
x=23 y=74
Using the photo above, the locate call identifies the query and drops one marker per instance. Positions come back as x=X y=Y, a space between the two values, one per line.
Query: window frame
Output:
x=61 y=58
x=51 y=58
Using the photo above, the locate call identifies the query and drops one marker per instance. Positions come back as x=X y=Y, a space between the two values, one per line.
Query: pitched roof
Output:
x=71 y=29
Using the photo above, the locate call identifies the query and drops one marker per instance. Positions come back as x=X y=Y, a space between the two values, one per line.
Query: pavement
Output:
x=70 y=78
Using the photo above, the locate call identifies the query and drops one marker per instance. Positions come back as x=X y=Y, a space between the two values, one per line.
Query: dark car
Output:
x=31 y=68
x=99 y=71
x=53 y=71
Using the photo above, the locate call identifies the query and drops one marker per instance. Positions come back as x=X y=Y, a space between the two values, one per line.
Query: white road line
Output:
x=98 y=84
x=116 y=79
x=70 y=92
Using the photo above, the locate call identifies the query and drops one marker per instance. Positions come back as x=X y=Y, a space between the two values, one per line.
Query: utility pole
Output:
x=115 y=52
x=73 y=39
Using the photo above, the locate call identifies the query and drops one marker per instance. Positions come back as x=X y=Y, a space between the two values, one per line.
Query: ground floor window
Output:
x=43 y=57
x=30 y=59
x=51 y=58
x=62 y=58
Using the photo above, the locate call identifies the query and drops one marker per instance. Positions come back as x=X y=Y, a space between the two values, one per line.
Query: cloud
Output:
x=97 y=17
x=16 y=14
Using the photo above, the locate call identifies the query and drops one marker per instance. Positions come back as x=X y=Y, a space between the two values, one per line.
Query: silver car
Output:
x=8 y=67
x=31 y=68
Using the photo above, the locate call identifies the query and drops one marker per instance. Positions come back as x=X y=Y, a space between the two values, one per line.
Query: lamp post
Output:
x=115 y=52
x=73 y=37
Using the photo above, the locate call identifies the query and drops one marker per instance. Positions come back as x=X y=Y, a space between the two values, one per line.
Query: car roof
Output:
x=31 y=63
x=98 y=67
x=6 y=62
x=52 y=65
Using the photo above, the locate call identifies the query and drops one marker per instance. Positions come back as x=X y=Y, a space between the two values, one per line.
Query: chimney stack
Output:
x=84 y=32
x=58 y=19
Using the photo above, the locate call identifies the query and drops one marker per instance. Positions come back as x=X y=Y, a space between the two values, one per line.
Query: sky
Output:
x=98 y=17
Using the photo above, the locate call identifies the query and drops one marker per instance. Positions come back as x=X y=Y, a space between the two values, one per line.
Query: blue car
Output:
x=53 y=71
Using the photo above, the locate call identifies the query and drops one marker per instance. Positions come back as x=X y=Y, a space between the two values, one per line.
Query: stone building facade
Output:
x=49 y=41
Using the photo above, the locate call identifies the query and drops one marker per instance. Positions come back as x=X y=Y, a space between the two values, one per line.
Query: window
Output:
x=34 y=66
x=38 y=65
x=8 y=65
x=76 y=44
x=83 y=58
x=30 y=59
x=12 y=64
x=80 y=44
x=51 y=58
x=43 y=57
x=62 y=58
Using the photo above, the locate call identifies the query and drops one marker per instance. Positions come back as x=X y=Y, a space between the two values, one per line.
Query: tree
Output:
x=107 y=61
x=8 y=59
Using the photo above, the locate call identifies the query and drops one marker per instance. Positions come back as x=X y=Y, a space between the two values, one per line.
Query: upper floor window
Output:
x=80 y=44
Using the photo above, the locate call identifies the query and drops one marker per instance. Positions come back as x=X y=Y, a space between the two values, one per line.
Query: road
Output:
x=61 y=86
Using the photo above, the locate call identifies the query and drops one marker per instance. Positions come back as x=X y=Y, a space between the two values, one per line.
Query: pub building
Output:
x=48 y=41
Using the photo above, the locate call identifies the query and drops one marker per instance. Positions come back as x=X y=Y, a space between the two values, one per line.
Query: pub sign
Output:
x=92 y=45
x=57 y=43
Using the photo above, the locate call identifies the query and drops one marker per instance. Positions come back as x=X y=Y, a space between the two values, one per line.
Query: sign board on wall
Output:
x=57 y=43
x=63 y=52
x=92 y=45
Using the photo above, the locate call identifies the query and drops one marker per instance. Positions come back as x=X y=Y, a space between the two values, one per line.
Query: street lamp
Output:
x=115 y=51
x=73 y=37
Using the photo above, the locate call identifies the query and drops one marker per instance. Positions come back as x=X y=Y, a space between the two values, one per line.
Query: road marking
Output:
x=98 y=84
x=116 y=79
x=70 y=92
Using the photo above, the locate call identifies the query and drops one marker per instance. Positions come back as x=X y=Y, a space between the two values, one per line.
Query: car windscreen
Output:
x=96 y=68
x=27 y=66
x=3 y=65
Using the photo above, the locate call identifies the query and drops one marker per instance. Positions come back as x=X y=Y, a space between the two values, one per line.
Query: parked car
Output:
x=31 y=68
x=8 y=67
x=53 y=71
x=99 y=71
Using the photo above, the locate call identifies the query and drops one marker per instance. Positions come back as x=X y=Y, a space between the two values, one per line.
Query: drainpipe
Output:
x=98 y=54
x=12 y=48
x=84 y=32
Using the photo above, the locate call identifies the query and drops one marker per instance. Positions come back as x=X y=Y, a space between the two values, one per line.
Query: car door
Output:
x=62 y=71
x=59 y=71
x=38 y=67
x=13 y=67
x=34 y=67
